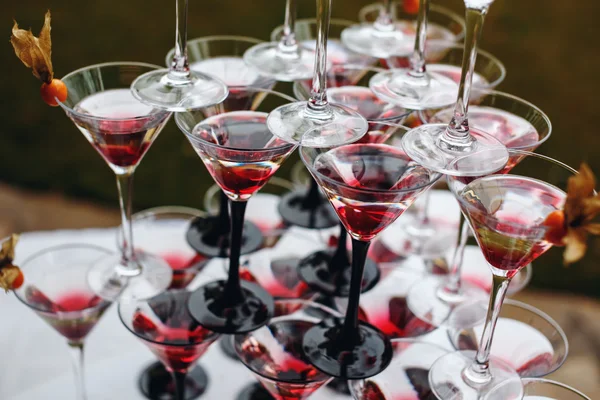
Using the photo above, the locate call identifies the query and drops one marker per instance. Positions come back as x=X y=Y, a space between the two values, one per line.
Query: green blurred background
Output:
x=550 y=49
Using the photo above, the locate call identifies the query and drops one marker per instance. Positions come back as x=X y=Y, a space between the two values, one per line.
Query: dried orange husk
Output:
x=9 y=273
x=35 y=52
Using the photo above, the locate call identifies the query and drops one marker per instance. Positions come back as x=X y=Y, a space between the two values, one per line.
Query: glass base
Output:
x=294 y=212
x=326 y=347
x=226 y=345
x=207 y=238
x=254 y=391
x=208 y=307
x=156 y=383
x=448 y=381
x=368 y=40
x=486 y=154
x=108 y=280
x=430 y=303
x=333 y=126
x=316 y=271
x=339 y=386
x=402 y=89
x=158 y=89
x=271 y=61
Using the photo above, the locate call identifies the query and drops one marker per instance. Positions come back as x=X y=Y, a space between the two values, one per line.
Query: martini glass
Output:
x=241 y=154
x=541 y=389
x=56 y=288
x=438 y=145
x=221 y=56
x=285 y=59
x=388 y=30
x=164 y=324
x=121 y=130
x=179 y=88
x=526 y=338
x=406 y=378
x=161 y=231
x=370 y=185
x=506 y=213
x=519 y=125
x=274 y=352
x=317 y=122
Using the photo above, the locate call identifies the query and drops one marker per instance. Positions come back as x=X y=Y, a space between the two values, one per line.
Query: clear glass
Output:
x=364 y=211
x=317 y=122
x=286 y=59
x=178 y=88
x=241 y=155
x=438 y=145
x=122 y=130
x=540 y=389
x=519 y=125
x=527 y=339
x=164 y=324
x=406 y=377
x=56 y=288
x=537 y=185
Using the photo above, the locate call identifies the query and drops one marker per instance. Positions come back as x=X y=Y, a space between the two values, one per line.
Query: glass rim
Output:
x=309 y=303
x=309 y=21
x=309 y=166
x=69 y=110
x=181 y=125
x=66 y=246
x=530 y=309
x=512 y=97
x=201 y=39
x=537 y=229
x=554 y=383
x=213 y=334
x=432 y=8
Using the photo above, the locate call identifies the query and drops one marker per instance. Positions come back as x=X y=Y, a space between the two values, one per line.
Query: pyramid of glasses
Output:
x=382 y=111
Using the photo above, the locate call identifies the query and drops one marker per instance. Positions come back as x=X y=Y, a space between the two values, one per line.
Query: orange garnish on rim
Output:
x=35 y=53
x=571 y=226
x=11 y=277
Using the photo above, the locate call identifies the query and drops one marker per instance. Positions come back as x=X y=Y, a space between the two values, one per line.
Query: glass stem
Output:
x=452 y=285
x=128 y=266
x=180 y=69
x=359 y=257
x=478 y=373
x=457 y=136
x=318 y=106
x=417 y=60
x=233 y=288
x=385 y=20
x=340 y=258
x=179 y=380
x=288 y=44
x=313 y=197
x=423 y=212
x=76 y=351
x=224 y=222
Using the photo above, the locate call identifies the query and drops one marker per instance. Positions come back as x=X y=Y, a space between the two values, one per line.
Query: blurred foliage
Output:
x=550 y=50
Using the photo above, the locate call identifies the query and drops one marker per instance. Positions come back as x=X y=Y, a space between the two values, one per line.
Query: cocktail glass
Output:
x=526 y=338
x=121 y=130
x=164 y=324
x=284 y=59
x=390 y=31
x=179 y=88
x=540 y=389
x=161 y=231
x=241 y=154
x=274 y=352
x=221 y=56
x=520 y=126
x=317 y=122
x=436 y=146
x=507 y=214
x=56 y=288
x=407 y=376
x=370 y=185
